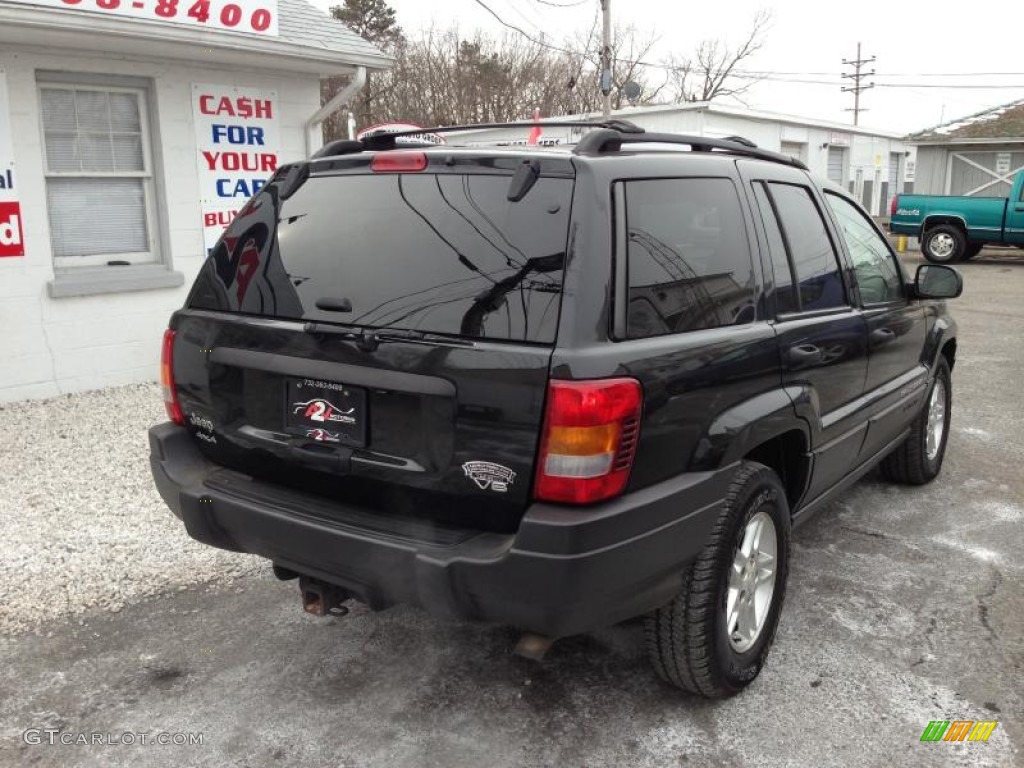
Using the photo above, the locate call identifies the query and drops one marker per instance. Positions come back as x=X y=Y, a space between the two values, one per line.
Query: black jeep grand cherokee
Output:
x=552 y=389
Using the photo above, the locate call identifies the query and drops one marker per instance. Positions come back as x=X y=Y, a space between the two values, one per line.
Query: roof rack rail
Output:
x=608 y=136
x=386 y=141
x=610 y=140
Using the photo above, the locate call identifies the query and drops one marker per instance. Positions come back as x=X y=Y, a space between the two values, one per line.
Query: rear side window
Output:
x=689 y=262
x=442 y=253
x=785 y=292
x=811 y=254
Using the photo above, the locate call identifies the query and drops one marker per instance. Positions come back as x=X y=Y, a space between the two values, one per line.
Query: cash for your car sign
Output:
x=237 y=144
x=12 y=240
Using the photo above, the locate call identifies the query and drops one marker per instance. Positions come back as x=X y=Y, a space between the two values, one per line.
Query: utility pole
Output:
x=857 y=76
x=606 y=58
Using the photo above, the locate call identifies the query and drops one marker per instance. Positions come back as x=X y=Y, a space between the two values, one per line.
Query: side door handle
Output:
x=881 y=336
x=804 y=355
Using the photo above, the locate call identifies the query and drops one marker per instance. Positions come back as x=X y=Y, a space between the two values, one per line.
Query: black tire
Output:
x=972 y=250
x=935 y=237
x=687 y=639
x=909 y=464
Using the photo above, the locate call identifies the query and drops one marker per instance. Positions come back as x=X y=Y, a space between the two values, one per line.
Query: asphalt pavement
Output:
x=905 y=605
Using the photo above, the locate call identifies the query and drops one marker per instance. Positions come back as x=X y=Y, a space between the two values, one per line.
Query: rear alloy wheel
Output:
x=713 y=638
x=944 y=244
x=918 y=460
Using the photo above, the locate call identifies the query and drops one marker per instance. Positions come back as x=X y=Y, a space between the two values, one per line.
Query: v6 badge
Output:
x=489 y=475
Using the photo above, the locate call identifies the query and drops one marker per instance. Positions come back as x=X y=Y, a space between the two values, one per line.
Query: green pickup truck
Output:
x=955 y=229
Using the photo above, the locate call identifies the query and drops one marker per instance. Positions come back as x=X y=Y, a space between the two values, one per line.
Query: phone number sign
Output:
x=253 y=16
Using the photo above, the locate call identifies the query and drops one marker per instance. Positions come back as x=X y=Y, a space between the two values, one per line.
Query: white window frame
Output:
x=152 y=255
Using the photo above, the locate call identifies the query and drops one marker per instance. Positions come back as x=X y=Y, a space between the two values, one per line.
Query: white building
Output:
x=872 y=164
x=129 y=132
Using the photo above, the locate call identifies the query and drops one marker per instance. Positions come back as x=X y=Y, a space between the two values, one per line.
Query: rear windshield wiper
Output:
x=368 y=339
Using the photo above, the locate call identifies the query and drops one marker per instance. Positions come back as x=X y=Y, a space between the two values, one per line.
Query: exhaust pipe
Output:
x=533 y=647
x=321 y=599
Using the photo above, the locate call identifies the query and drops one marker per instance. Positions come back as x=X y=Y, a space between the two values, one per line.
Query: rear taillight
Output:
x=398 y=162
x=167 y=379
x=894 y=205
x=589 y=440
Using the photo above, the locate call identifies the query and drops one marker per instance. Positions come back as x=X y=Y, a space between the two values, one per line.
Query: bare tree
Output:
x=443 y=76
x=711 y=73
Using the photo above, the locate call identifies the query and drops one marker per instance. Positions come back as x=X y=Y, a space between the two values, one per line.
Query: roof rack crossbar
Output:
x=609 y=140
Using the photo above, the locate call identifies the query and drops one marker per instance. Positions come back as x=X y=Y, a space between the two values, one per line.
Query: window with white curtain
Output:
x=99 y=175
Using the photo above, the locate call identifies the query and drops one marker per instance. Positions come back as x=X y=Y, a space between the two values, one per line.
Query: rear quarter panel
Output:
x=689 y=379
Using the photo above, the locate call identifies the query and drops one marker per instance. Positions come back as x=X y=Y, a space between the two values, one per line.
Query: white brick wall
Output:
x=52 y=346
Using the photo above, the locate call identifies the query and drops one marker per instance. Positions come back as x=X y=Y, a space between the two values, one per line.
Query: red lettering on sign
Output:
x=243 y=107
x=12 y=239
x=219 y=218
x=240 y=161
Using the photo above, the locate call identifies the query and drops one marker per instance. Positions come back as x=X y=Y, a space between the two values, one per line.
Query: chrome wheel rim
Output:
x=751 y=583
x=942 y=246
x=936 y=419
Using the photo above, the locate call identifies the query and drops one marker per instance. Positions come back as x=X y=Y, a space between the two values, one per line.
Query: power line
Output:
x=577 y=4
x=778 y=76
x=529 y=19
x=948 y=85
x=521 y=31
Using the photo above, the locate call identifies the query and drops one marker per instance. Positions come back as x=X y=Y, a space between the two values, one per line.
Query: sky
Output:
x=920 y=46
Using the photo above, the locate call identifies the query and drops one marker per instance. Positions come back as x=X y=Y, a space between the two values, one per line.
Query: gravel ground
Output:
x=904 y=606
x=83 y=524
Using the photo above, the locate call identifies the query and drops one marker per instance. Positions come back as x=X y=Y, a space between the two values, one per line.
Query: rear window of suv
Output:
x=689 y=261
x=441 y=253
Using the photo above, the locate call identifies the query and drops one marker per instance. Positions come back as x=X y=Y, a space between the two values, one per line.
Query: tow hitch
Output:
x=322 y=599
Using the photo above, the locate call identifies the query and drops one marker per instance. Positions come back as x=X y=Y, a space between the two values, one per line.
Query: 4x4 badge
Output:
x=488 y=475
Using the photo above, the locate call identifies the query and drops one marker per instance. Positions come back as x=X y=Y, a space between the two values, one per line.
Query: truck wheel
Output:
x=972 y=250
x=944 y=244
x=713 y=638
x=918 y=460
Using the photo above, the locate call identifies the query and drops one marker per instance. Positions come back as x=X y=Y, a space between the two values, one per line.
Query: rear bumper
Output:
x=565 y=570
x=902 y=228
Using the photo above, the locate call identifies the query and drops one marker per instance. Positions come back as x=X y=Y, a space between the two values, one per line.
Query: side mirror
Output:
x=935 y=281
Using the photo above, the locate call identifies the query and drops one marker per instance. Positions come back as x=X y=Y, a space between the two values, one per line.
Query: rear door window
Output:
x=689 y=261
x=811 y=253
x=442 y=253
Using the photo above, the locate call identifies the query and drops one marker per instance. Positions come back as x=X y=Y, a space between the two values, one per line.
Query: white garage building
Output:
x=871 y=164
x=975 y=156
x=130 y=130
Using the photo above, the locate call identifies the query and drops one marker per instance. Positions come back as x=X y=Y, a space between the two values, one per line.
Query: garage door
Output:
x=894 y=172
x=836 y=163
x=795 y=150
x=985 y=174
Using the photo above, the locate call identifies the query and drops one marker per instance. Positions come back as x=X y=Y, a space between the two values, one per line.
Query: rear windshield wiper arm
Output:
x=368 y=339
